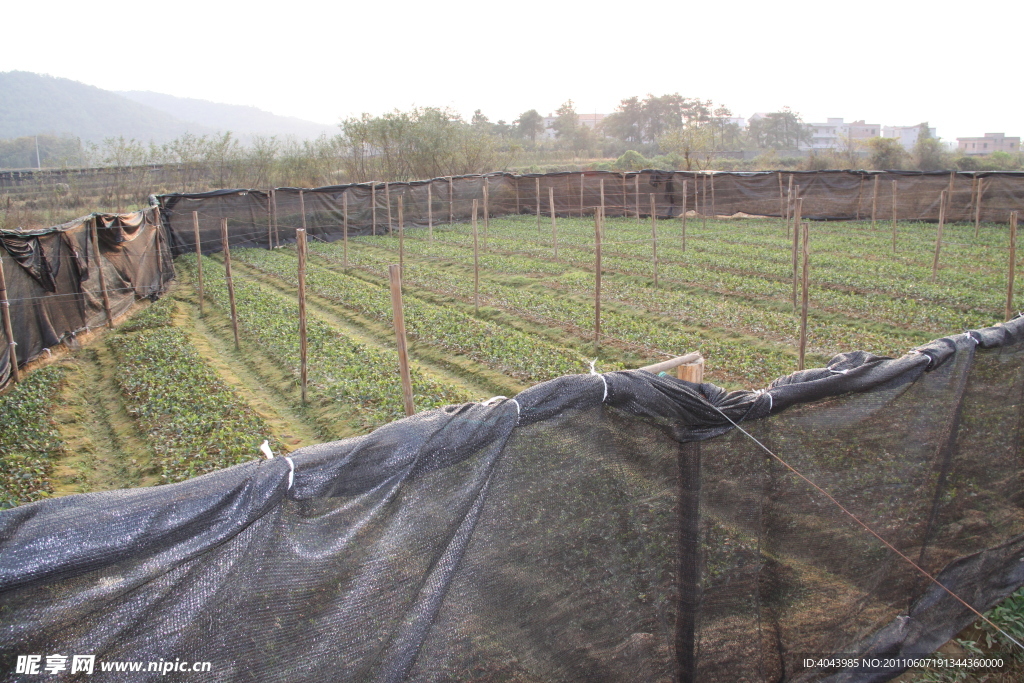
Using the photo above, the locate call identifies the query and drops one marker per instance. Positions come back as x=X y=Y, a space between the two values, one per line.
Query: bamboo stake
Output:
x=277 y=234
x=373 y=206
x=451 y=200
x=949 y=196
x=894 y=216
x=302 y=208
x=789 y=203
x=654 y=239
x=602 y=200
x=977 y=208
x=476 y=263
x=714 y=212
x=401 y=235
x=226 y=248
x=5 y=309
x=487 y=210
x=1013 y=265
x=704 y=202
x=874 y=202
x=102 y=277
x=430 y=212
x=395 y=276
x=804 y=300
x=300 y=239
x=683 y=216
x=636 y=193
x=672 y=364
x=537 y=192
x=782 y=197
x=938 y=234
x=554 y=223
x=797 y=210
x=270 y=219
x=387 y=200
x=974 y=191
x=582 y=185
x=598 y=219
x=344 y=229
x=199 y=259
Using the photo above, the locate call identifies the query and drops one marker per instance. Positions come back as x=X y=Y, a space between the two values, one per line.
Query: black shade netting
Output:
x=596 y=528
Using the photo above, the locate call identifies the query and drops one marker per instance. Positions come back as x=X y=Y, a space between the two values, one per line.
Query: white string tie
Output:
x=265 y=447
x=494 y=399
x=970 y=335
x=593 y=371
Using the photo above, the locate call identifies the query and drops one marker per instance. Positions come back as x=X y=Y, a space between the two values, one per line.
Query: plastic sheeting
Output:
x=609 y=527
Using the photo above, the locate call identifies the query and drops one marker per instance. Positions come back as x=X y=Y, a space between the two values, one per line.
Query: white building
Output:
x=836 y=133
x=907 y=135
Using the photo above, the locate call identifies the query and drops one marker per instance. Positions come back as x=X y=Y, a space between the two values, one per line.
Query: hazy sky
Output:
x=894 y=63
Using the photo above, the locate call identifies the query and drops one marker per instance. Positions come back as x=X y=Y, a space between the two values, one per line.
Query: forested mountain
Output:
x=34 y=104
x=243 y=121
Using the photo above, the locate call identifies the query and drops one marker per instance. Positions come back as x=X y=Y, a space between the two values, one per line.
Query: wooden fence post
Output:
x=300 y=243
x=804 y=300
x=683 y=215
x=344 y=229
x=226 y=248
x=476 y=263
x=401 y=234
x=270 y=219
x=797 y=211
x=894 y=216
x=938 y=234
x=692 y=371
x=451 y=200
x=302 y=208
x=704 y=201
x=516 y=183
x=199 y=259
x=395 y=277
x=583 y=177
x=949 y=196
x=554 y=222
x=487 y=210
x=5 y=309
x=714 y=212
x=789 y=203
x=977 y=208
x=102 y=277
x=654 y=239
x=782 y=197
x=602 y=201
x=430 y=213
x=537 y=192
x=874 y=202
x=598 y=220
x=1013 y=265
x=387 y=200
x=277 y=235
x=636 y=194
x=373 y=207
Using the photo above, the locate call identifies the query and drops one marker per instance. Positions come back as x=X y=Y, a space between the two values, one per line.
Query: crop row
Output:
x=965 y=279
x=826 y=334
x=29 y=439
x=506 y=350
x=737 y=360
x=340 y=368
x=194 y=422
x=906 y=313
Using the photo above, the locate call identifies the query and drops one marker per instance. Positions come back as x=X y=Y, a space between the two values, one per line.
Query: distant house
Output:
x=834 y=133
x=990 y=142
x=907 y=135
x=591 y=121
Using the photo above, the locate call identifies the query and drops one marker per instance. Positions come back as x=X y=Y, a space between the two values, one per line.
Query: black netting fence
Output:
x=58 y=286
x=609 y=527
x=258 y=218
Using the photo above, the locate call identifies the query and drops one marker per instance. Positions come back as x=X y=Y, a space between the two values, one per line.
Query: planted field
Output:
x=172 y=398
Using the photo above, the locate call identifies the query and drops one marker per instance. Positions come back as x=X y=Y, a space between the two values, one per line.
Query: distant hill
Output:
x=35 y=104
x=242 y=120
